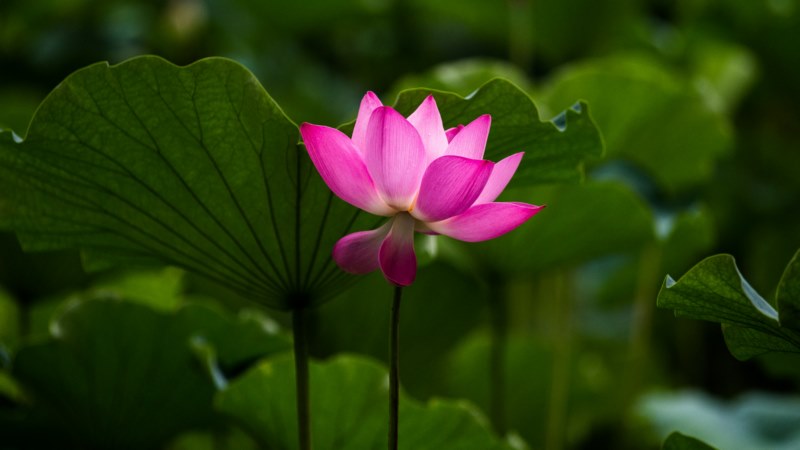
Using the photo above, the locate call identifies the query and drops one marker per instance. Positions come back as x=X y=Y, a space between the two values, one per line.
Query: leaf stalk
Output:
x=301 y=378
x=394 y=368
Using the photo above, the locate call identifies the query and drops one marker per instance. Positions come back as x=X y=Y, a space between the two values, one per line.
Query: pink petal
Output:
x=486 y=221
x=452 y=132
x=428 y=122
x=501 y=175
x=358 y=252
x=450 y=186
x=471 y=141
x=339 y=163
x=422 y=227
x=369 y=102
x=397 y=259
x=395 y=157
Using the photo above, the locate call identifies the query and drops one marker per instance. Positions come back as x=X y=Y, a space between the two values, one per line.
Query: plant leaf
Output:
x=554 y=150
x=753 y=420
x=745 y=343
x=714 y=290
x=789 y=294
x=121 y=375
x=648 y=115
x=678 y=441
x=349 y=398
x=146 y=162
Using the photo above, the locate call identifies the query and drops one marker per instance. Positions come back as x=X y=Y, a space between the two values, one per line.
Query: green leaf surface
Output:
x=788 y=294
x=678 y=441
x=648 y=115
x=349 y=398
x=714 y=290
x=554 y=150
x=197 y=167
x=120 y=375
x=745 y=343
x=754 y=420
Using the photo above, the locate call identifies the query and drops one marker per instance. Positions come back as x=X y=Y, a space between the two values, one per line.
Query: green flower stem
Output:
x=301 y=378
x=394 y=368
x=498 y=308
x=646 y=290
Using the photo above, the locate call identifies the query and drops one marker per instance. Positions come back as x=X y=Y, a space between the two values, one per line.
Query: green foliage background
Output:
x=679 y=142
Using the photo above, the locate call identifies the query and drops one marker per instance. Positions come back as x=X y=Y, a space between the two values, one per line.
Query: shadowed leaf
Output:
x=349 y=400
x=715 y=291
x=678 y=441
x=648 y=116
x=554 y=150
x=146 y=162
x=120 y=375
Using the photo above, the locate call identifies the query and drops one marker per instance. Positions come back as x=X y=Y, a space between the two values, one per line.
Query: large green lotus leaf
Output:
x=648 y=116
x=554 y=150
x=678 y=441
x=715 y=290
x=192 y=166
x=438 y=310
x=349 y=401
x=159 y=288
x=116 y=374
x=580 y=222
x=755 y=420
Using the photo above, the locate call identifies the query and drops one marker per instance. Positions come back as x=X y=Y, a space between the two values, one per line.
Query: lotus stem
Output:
x=394 y=368
x=301 y=378
x=643 y=304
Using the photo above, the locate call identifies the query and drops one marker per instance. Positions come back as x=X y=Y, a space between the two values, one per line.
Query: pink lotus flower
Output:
x=423 y=177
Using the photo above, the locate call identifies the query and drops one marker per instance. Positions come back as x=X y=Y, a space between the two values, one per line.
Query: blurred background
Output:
x=695 y=100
